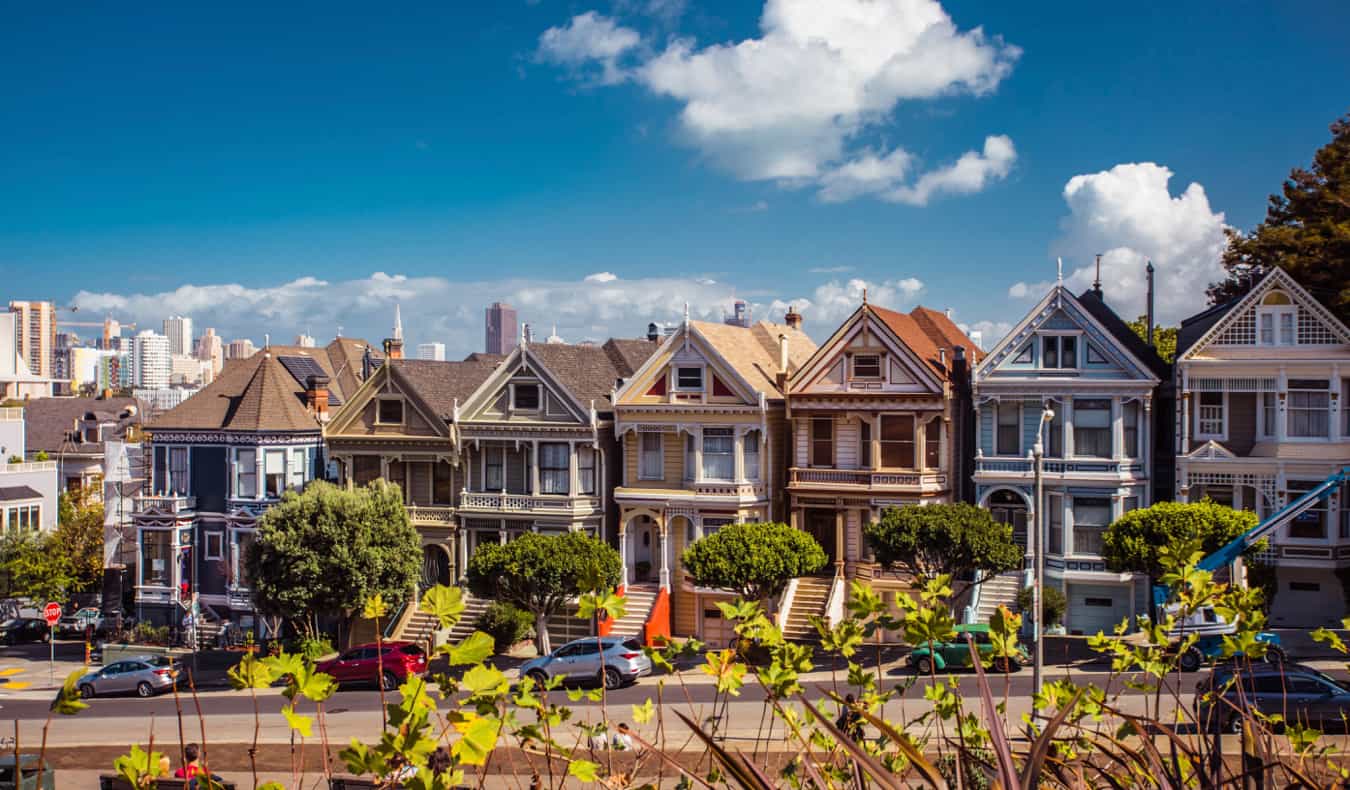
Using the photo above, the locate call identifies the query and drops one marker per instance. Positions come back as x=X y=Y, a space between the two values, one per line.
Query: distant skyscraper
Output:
x=151 y=362
x=242 y=348
x=502 y=330
x=179 y=331
x=526 y=333
x=433 y=351
x=304 y=341
x=740 y=316
x=211 y=349
x=36 y=327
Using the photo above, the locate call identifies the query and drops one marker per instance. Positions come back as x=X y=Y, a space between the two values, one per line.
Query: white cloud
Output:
x=990 y=332
x=830 y=269
x=791 y=104
x=1128 y=216
x=601 y=277
x=590 y=37
x=971 y=173
x=831 y=302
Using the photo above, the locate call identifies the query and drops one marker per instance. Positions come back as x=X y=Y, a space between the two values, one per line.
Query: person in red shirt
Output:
x=192 y=767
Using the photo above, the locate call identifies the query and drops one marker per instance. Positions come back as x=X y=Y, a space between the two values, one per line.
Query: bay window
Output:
x=932 y=444
x=650 y=465
x=1091 y=517
x=243 y=541
x=493 y=462
x=554 y=470
x=246 y=474
x=1129 y=417
x=897 y=441
x=1008 y=432
x=719 y=458
x=1092 y=427
x=156 y=557
x=274 y=472
x=822 y=441
x=586 y=468
x=1311 y=524
x=750 y=454
x=1309 y=408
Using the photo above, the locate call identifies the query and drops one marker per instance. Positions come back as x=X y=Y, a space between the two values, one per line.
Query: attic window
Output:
x=689 y=379
x=867 y=366
x=389 y=411
x=1059 y=351
x=525 y=397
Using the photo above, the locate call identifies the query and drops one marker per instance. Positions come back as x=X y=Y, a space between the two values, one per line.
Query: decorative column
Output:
x=839 y=542
x=259 y=477
x=534 y=468
x=463 y=551
x=623 y=553
x=572 y=487
x=666 y=559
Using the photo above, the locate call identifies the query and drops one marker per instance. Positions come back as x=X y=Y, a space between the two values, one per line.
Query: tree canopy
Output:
x=1134 y=543
x=541 y=573
x=79 y=533
x=35 y=566
x=958 y=540
x=1306 y=231
x=327 y=550
x=1164 y=337
x=755 y=560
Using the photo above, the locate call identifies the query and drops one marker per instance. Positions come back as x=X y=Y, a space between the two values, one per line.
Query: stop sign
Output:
x=52 y=613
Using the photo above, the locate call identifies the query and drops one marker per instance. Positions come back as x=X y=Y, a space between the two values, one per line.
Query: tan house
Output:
x=704 y=443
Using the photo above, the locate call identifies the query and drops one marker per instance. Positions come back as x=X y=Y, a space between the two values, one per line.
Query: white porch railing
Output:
x=11 y=414
x=29 y=466
x=867 y=478
x=521 y=503
x=441 y=515
x=166 y=503
x=1060 y=467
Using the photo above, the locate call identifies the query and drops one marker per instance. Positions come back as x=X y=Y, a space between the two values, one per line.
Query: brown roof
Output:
x=346 y=357
x=441 y=384
x=590 y=372
x=926 y=331
x=51 y=424
x=753 y=352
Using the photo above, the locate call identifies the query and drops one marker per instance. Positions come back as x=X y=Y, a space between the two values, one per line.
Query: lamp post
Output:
x=1038 y=551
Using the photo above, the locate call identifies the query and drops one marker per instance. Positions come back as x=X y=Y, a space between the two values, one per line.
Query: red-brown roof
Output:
x=927 y=331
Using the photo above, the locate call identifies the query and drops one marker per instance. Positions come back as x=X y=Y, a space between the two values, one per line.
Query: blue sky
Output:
x=306 y=167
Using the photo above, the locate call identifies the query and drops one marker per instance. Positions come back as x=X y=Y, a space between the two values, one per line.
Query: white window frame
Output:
x=720 y=434
x=1266 y=423
x=296 y=472
x=219 y=538
x=1289 y=409
x=643 y=473
x=999 y=407
x=1276 y=315
x=702 y=378
x=1058 y=337
x=539 y=394
x=241 y=469
x=285 y=469
x=1200 y=432
x=750 y=454
x=854 y=367
x=402 y=410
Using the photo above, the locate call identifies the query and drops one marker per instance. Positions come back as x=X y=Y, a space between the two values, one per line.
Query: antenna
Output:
x=1060 y=276
x=686 y=315
x=1097 y=283
x=864 y=295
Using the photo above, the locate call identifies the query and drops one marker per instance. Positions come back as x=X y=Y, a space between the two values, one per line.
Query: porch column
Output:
x=572 y=487
x=1146 y=449
x=839 y=542
x=666 y=559
x=623 y=552
x=501 y=532
x=463 y=536
x=534 y=468
x=1281 y=406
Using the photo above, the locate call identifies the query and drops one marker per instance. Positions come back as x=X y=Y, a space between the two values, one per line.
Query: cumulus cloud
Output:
x=1129 y=216
x=833 y=301
x=986 y=333
x=830 y=269
x=791 y=104
x=601 y=277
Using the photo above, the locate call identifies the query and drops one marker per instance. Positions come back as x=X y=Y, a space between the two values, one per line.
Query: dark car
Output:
x=24 y=629
x=1296 y=692
x=365 y=664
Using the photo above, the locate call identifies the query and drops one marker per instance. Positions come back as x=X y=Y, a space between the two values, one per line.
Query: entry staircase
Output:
x=1001 y=590
x=638 y=602
x=419 y=625
x=811 y=598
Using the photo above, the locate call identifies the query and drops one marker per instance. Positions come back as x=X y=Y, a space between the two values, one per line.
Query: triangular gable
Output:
x=686 y=345
x=351 y=418
x=1060 y=310
x=826 y=370
x=1211 y=450
x=1315 y=323
x=481 y=405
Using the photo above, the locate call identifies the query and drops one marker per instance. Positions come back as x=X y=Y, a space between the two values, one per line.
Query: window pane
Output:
x=1092 y=428
x=822 y=442
x=1068 y=352
x=1130 y=417
x=867 y=366
x=932 y=450
x=1009 y=436
x=865 y=444
x=689 y=378
x=493 y=464
x=651 y=456
x=246 y=466
x=750 y=450
x=156 y=555
x=178 y=470
x=554 y=474
x=274 y=470
x=897 y=441
x=1050 y=352
x=719 y=461
x=1055 y=524
x=527 y=397
x=586 y=469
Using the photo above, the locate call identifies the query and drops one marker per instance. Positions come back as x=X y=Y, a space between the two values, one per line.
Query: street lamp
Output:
x=1038 y=551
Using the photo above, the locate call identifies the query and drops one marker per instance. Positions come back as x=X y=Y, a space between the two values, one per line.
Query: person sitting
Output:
x=192 y=766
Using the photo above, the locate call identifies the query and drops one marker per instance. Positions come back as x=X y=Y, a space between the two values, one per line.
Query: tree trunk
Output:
x=541 y=640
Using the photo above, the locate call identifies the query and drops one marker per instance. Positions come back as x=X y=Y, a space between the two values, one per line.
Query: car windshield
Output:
x=411 y=650
x=10 y=623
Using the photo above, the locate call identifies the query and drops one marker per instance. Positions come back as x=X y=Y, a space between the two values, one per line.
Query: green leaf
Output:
x=68 y=702
x=478 y=737
x=250 y=672
x=475 y=649
x=583 y=770
x=445 y=603
x=643 y=713
x=484 y=681
x=138 y=767
x=374 y=607
x=299 y=723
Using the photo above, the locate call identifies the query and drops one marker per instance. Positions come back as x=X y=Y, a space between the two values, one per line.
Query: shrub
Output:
x=1053 y=603
x=147 y=634
x=311 y=647
x=506 y=624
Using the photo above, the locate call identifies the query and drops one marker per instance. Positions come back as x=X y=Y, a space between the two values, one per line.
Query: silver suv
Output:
x=612 y=660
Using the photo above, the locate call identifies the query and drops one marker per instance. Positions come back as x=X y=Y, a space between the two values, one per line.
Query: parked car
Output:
x=365 y=664
x=949 y=655
x=145 y=675
x=76 y=624
x=24 y=629
x=1297 y=692
x=612 y=660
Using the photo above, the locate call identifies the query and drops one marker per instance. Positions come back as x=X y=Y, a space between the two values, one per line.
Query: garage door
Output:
x=1094 y=608
x=1307 y=598
x=717 y=632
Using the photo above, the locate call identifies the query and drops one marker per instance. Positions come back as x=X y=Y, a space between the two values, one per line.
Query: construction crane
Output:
x=106 y=324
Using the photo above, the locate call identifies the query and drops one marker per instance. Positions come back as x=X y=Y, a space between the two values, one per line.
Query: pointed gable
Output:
x=1276 y=313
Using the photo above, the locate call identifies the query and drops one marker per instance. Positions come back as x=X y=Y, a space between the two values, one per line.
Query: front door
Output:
x=643 y=535
x=435 y=567
x=820 y=524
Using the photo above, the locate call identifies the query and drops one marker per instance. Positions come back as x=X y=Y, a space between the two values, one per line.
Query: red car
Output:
x=363 y=664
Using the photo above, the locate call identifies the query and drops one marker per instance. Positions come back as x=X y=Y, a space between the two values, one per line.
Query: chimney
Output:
x=781 y=378
x=316 y=396
x=1097 y=283
x=653 y=333
x=1149 y=275
x=793 y=318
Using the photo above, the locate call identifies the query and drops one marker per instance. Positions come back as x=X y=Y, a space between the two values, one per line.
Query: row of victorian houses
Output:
x=656 y=442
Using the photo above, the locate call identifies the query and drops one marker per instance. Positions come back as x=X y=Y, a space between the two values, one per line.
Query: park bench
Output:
x=109 y=782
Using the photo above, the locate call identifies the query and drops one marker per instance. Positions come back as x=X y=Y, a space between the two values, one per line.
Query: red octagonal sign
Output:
x=52 y=613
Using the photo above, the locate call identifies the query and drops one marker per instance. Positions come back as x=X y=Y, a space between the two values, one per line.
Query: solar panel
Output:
x=302 y=368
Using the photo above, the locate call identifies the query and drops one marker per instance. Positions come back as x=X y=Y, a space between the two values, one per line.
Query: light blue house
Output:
x=1072 y=357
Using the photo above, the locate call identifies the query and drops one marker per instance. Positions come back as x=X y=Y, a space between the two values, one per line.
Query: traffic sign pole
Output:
x=52 y=614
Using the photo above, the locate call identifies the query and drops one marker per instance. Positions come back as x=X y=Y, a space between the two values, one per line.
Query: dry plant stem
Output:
x=666 y=759
x=178 y=710
x=379 y=672
x=201 y=720
x=604 y=704
x=323 y=737
x=42 y=752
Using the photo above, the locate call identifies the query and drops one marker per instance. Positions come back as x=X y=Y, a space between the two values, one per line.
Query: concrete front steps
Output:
x=1000 y=590
x=811 y=598
x=638 y=602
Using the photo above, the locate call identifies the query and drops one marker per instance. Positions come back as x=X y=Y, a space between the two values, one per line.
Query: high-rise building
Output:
x=501 y=328
x=211 y=349
x=36 y=328
x=740 y=315
x=151 y=362
x=242 y=348
x=179 y=331
x=304 y=341
x=433 y=351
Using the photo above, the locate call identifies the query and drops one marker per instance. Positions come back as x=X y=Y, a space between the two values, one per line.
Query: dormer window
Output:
x=689 y=379
x=1275 y=319
x=867 y=366
x=389 y=411
x=1059 y=351
x=525 y=397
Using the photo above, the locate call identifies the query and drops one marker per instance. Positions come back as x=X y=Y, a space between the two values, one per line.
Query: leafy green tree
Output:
x=957 y=540
x=541 y=573
x=1306 y=231
x=1053 y=603
x=79 y=533
x=35 y=566
x=1164 y=337
x=1135 y=542
x=327 y=550
x=754 y=560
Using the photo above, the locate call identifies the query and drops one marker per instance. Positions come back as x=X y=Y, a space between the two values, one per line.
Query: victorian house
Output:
x=1264 y=383
x=704 y=444
x=1075 y=378
x=218 y=461
x=879 y=416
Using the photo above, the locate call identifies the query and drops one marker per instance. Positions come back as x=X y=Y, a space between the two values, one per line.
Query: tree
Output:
x=1306 y=232
x=35 y=566
x=1134 y=543
x=325 y=551
x=957 y=540
x=79 y=533
x=1164 y=337
x=754 y=560
x=541 y=573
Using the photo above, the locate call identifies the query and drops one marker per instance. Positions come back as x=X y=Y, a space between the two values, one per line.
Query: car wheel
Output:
x=612 y=679
x=1275 y=655
x=1003 y=665
x=389 y=681
x=1190 y=661
x=144 y=689
x=1234 y=723
x=923 y=665
x=538 y=676
x=86 y=691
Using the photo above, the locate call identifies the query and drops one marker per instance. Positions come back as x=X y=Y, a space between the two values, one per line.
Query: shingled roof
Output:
x=52 y=424
x=753 y=351
x=591 y=372
x=441 y=384
x=927 y=331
